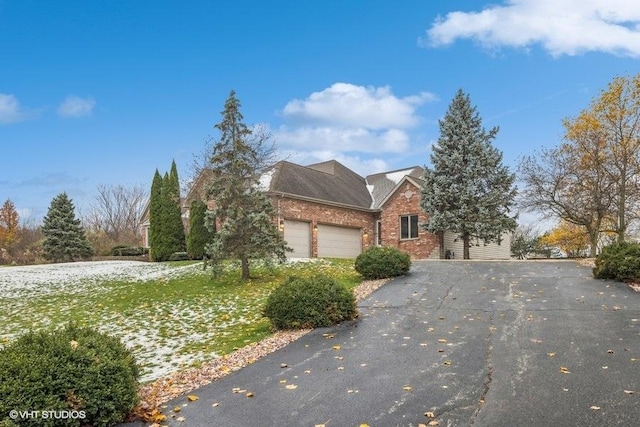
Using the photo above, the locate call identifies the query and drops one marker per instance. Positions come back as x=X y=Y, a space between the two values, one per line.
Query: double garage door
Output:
x=333 y=241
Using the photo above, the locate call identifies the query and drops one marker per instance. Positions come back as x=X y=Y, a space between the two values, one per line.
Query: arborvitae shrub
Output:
x=380 y=262
x=90 y=375
x=620 y=261
x=318 y=301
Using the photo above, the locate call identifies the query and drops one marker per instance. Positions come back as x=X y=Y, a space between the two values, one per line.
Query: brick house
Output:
x=327 y=210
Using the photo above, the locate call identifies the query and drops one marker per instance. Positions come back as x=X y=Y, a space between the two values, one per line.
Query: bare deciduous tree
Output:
x=117 y=212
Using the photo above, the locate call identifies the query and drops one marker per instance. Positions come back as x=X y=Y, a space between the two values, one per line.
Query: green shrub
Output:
x=380 y=262
x=318 y=301
x=620 y=261
x=88 y=374
x=124 y=250
x=179 y=256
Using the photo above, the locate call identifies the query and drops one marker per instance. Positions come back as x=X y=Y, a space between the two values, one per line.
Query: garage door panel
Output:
x=297 y=234
x=338 y=242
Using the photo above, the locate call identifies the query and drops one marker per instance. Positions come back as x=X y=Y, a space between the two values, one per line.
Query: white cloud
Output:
x=74 y=106
x=10 y=111
x=362 y=166
x=346 y=118
x=344 y=139
x=562 y=27
x=348 y=105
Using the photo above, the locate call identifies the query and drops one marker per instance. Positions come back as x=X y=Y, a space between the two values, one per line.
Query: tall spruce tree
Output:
x=244 y=213
x=467 y=191
x=64 y=238
x=199 y=234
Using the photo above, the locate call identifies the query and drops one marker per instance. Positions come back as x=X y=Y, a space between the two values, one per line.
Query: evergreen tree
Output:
x=64 y=238
x=155 y=218
x=468 y=191
x=199 y=233
x=244 y=212
x=173 y=227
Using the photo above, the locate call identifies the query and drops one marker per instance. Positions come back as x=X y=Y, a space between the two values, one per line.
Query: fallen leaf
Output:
x=336 y=347
x=595 y=408
x=308 y=371
x=283 y=381
x=535 y=340
x=406 y=388
x=364 y=425
x=564 y=370
x=283 y=365
x=291 y=386
x=177 y=409
x=216 y=404
x=192 y=397
x=630 y=392
x=180 y=419
x=447 y=362
x=610 y=351
x=442 y=340
x=429 y=414
x=551 y=354
x=249 y=394
x=434 y=423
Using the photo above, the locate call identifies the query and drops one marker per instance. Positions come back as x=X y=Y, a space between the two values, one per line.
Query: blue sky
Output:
x=106 y=92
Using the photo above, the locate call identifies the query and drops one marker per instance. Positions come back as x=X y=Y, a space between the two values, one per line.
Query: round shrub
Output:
x=380 y=262
x=87 y=377
x=620 y=261
x=318 y=301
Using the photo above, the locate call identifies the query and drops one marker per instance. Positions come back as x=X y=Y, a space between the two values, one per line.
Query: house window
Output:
x=378 y=233
x=408 y=227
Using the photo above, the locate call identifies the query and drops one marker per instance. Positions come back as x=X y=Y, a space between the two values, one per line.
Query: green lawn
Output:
x=181 y=317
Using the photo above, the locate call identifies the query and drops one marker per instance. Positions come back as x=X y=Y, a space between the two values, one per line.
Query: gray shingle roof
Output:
x=381 y=184
x=327 y=181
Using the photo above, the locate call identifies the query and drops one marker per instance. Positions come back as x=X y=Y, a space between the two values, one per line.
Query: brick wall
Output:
x=406 y=201
x=317 y=213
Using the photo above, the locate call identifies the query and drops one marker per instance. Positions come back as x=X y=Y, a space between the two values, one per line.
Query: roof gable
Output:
x=382 y=185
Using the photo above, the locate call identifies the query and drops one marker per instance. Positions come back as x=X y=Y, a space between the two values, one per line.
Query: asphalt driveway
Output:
x=457 y=343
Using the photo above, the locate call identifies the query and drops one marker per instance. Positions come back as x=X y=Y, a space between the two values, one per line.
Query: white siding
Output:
x=481 y=251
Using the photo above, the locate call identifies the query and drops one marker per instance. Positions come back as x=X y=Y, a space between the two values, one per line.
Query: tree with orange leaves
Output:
x=8 y=224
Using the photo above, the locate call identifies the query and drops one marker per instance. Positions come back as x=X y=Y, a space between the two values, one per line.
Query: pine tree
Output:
x=64 y=238
x=244 y=212
x=156 y=222
x=468 y=191
x=199 y=233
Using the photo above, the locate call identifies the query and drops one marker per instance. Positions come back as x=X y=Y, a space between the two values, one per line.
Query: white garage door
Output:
x=338 y=242
x=297 y=234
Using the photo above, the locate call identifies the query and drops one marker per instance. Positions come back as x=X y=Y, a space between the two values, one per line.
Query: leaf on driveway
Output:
x=291 y=386
x=407 y=388
x=192 y=398
x=564 y=370
x=447 y=362
x=336 y=347
x=429 y=414
x=552 y=354
x=630 y=392
x=442 y=340
x=180 y=419
x=595 y=408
